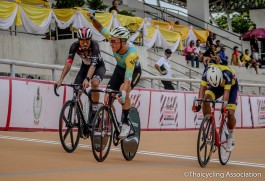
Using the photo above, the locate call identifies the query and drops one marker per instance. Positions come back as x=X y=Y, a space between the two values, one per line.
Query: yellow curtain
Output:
x=130 y=22
x=184 y=30
x=36 y=14
x=164 y=25
x=201 y=34
x=170 y=36
x=151 y=31
x=64 y=14
x=104 y=18
x=6 y=9
x=36 y=2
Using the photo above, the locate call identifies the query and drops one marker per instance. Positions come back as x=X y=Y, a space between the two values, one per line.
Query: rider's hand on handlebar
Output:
x=223 y=110
x=58 y=83
x=85 y=84
x=196 y=108
x=121 y=97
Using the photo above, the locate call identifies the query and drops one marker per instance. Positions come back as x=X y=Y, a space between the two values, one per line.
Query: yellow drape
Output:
x=201 y=34
x=36 y=2
x=164 y=25
x=130 y=22
x=6 y=9
x=64 y=14
x=151 y=31
x=184 y=30
x=104 y=18
x=36 y=14
x=170 y=36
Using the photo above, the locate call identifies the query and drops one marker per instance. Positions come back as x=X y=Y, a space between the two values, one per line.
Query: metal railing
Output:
x=53 y=68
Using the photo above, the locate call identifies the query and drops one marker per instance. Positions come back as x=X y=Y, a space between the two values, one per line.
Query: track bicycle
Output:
x=106 y=129
x=73 y=123
x=210 y=137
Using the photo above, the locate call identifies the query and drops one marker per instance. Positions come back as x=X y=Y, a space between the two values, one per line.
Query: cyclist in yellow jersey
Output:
x=127 y=71
x=220 y=80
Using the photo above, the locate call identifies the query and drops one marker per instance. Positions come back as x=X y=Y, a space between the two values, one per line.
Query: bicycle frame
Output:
x=217 y=142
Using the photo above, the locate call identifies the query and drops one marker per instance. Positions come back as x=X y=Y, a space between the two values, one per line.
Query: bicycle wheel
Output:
x=222 y=153
x=101 y=134
x=69 y=127
x=129 y=145
x=205 y=142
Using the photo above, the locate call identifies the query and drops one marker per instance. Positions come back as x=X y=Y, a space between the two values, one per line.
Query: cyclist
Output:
x=220 y=80
x=127 y=71
x=92 y=68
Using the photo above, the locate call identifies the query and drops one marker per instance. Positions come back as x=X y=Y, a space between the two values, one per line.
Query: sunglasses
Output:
x=114 y=41
x=84 y=41
x=192 y=43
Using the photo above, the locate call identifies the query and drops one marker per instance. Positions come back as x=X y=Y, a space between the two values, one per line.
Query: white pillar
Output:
x=229 y=22
x=198 y=9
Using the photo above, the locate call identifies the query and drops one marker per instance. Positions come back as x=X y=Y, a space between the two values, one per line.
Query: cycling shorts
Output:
x=118 y=75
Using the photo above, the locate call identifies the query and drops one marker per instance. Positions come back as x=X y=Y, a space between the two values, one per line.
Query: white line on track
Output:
x=257 y=165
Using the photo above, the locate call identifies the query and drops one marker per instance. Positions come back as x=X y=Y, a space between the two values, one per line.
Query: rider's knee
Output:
x=95 y=83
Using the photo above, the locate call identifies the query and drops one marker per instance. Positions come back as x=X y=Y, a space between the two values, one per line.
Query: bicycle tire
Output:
x=207 y=136
x=101 y=134
x=222 y=153
x=129 y=145
x=69 y=131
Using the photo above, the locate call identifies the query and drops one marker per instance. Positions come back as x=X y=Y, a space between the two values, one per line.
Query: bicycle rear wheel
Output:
x=129 y=145
x=205 y=142
x=101 y=134
x=222 y=153
x=69 y=131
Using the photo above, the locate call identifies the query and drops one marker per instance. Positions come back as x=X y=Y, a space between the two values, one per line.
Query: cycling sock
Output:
x=125 y=114
x=231 y=133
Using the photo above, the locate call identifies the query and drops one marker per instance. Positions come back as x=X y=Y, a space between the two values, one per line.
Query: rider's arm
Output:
x=228 y=76
x=95 y=22
x=130 y=64
x=66 y=69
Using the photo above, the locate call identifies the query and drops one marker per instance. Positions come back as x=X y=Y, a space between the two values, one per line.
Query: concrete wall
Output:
x=255 y=15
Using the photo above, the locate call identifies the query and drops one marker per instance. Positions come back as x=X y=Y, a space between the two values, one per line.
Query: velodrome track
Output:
x=162 y=155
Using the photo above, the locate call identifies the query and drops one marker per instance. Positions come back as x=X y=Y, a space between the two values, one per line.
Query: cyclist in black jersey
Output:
x=92 y=69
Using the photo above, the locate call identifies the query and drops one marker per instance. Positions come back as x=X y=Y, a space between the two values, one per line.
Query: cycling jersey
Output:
x=91 y=56
x=229 y=83
x=128 y=60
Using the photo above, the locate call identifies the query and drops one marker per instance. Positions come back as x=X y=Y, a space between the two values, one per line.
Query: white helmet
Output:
x=214 y=76
x=84 y=33
x=120 y=32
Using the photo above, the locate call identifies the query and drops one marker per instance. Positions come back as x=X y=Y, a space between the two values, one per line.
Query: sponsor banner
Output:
x=246 y=120
x=193 y=119
x=4 y=102
x=34 y=105
x=258 y=111
x=167 y=110
x=140 y=99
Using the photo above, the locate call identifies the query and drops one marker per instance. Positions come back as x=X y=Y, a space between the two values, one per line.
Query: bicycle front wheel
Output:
x=222 y=153
x=205 y=142
x=101 y=134
x=69 y=127
x=129 y=145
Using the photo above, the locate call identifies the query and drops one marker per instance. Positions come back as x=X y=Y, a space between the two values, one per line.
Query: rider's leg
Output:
x=231 y=123
x=95 y=82
x=125 y=115
x=206 y=109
